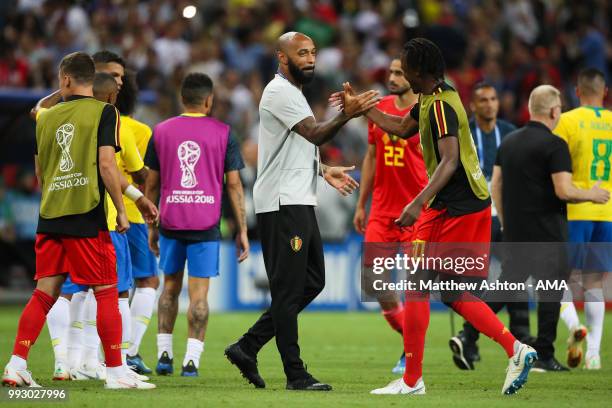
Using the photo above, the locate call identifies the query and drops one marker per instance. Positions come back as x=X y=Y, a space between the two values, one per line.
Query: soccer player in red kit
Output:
x=457 y=210
x=393 y=173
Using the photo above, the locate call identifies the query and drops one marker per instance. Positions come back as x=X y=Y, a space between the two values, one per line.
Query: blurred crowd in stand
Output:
x=513 y=44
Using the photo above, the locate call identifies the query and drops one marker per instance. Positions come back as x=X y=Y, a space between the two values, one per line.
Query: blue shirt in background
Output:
x=487 y=148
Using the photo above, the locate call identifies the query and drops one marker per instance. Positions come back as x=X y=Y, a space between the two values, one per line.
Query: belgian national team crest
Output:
x=296 y=243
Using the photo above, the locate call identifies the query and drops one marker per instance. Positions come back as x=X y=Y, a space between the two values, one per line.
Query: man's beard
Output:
x=300 y=76
x=398 y=91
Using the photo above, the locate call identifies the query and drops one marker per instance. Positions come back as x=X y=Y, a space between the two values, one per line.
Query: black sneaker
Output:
x=471 y=351
x=460 y=347
x=307 y=384
x=164 y=365
x=190 y=370
x=470 y=348
x=543 y=366
x=246 y=364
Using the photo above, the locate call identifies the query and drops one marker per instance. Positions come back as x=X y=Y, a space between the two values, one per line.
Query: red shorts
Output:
x=441 y=235
x=383 y=229
x=89 y=261
x=381 y=233
x=439 y=226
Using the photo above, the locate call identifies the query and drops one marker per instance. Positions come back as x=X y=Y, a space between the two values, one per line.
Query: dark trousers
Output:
x=293 y=256
x=541 y=262
x=517 y=311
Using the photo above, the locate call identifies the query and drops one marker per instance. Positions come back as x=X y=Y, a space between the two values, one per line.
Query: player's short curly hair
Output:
x=424 y=56
x=128 y=94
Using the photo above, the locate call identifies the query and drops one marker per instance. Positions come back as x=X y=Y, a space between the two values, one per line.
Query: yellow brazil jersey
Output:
x=140 y=134
x=129 y=160
x=588 y=133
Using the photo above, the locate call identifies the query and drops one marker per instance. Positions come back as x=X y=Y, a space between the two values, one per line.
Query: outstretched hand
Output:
x=338 y=178
x=353 y=105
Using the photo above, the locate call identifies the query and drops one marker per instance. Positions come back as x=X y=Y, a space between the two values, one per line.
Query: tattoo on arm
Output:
x=319 y=133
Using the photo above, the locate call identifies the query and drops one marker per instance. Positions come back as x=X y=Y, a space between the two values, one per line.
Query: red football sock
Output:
x=395 y=318
x=485 y=321
x=31 y=322
x=416 y=321
x=108 y=321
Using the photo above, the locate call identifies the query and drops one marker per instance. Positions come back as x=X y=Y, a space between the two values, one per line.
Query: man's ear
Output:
x=208 y=103
x=282 y=57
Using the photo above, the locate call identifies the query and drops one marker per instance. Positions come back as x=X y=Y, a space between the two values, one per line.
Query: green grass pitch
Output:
x=352 y=351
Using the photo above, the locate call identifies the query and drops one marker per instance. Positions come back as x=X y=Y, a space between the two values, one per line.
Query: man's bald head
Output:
x=290 y=40
x=545 y=105
x=296 y=54
x=591 y=83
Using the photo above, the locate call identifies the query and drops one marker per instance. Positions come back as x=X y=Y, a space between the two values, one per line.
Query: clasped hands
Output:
x=351 y=104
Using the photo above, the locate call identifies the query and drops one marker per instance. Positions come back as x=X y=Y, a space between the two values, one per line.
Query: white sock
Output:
x=91 y=341
x=18 y=363
x=569 y=315
x=115 y=372
x=594 y=309
x=58 y=320
x=195 y=348
x=142 y=305
x=126 y=326
x=164 y=343
x=75 y=330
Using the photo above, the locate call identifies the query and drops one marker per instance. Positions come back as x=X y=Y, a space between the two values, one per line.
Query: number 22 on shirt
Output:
x=394 y=156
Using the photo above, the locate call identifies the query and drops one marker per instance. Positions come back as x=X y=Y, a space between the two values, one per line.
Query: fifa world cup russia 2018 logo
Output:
x=188 y=154
x=63 y=136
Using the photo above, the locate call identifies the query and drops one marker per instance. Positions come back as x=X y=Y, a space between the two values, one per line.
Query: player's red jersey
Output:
x=400 y=171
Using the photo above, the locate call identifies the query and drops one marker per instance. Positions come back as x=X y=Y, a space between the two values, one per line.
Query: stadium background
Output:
x=516 y=45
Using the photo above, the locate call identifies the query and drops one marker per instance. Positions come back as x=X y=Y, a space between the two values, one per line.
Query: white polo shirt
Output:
x=287 y=163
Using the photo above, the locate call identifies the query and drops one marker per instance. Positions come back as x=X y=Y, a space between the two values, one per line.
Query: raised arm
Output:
x=46 y=103
x=321 y=132
x=403 y=127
